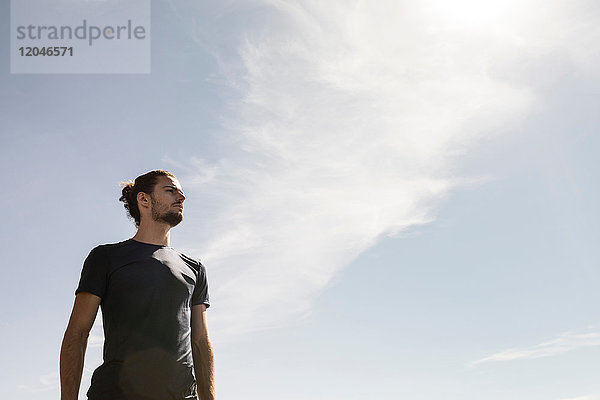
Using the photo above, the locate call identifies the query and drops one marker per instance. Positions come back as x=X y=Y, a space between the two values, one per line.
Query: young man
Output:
x=153 y=301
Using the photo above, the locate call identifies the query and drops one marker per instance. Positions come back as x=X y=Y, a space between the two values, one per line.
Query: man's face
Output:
x=167 y=201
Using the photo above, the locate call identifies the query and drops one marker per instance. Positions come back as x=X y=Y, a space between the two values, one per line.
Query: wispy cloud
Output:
x=96 y=337
x=563 y=343
x=46 y=383
x=350 y=118
x=50 y=381
x=587 y=397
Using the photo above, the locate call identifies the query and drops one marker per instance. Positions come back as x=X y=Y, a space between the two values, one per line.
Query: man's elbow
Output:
x=201 y=341
x=76 y=334
x=201 y=345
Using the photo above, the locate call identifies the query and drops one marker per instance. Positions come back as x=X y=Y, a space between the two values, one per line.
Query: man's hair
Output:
x=143 y=183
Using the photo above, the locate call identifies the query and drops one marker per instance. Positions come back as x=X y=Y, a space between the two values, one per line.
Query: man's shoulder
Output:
x=192 y=261
x=112 y=246
x=102 y=254
x=111 y=250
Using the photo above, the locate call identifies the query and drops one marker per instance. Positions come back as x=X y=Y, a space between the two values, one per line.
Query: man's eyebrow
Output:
x=173 y=187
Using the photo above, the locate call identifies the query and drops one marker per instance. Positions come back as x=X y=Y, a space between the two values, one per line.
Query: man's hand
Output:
x=203 y=354
x=74 y=343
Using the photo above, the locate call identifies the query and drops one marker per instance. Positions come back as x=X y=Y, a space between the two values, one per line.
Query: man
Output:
x=153 y=301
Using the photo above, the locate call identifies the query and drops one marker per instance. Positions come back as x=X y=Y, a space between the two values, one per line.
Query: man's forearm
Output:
x=204 y=366
x=72 y=353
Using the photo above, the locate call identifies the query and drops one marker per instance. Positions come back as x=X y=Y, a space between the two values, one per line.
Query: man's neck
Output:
x=154 y=233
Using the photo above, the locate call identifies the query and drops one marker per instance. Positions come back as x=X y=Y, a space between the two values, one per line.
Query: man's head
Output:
x=156 y=195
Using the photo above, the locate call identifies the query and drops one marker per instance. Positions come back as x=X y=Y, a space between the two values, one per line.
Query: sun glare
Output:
x=475 y=13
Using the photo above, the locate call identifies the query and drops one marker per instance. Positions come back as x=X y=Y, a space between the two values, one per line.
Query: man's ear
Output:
x=143 y=199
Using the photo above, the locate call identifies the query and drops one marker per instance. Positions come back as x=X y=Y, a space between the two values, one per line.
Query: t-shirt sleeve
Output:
x=94 y=273
x=200 y=295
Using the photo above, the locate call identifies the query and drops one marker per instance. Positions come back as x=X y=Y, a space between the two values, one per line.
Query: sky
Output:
x=393 y=199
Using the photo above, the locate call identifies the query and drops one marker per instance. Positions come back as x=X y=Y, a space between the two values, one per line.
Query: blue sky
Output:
x=393 y=200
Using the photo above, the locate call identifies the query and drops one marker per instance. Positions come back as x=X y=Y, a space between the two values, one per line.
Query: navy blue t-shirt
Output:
x=147 y=293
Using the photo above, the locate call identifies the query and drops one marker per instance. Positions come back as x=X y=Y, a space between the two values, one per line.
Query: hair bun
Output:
x=126 y=192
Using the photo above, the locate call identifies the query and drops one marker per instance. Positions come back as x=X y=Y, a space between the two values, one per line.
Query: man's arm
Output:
x=74 y=344
x=203 y=355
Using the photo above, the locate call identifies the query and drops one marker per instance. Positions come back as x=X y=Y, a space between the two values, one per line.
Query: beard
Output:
x=172 y=218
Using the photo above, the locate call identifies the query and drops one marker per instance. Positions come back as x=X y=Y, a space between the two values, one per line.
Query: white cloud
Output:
x=350 y=118
x=587 y=397
x=563 y=343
